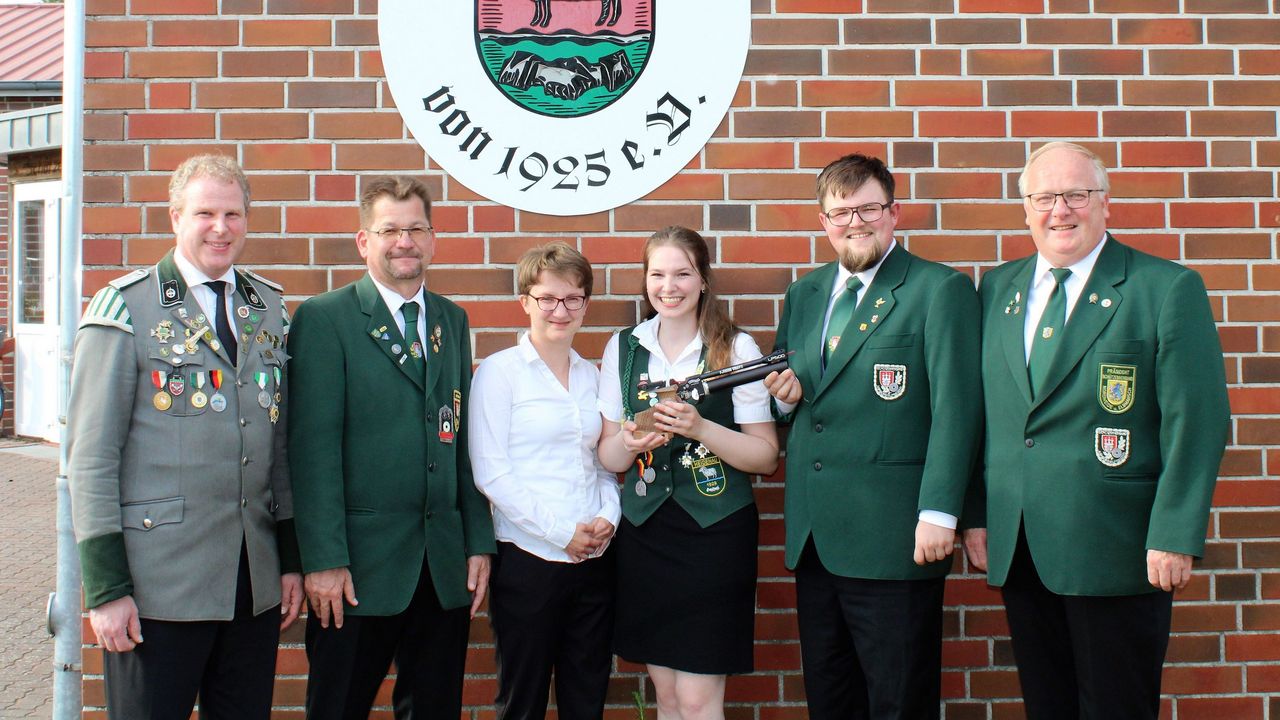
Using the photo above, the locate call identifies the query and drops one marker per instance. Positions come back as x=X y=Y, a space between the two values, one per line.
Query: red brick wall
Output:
x=1179 y=98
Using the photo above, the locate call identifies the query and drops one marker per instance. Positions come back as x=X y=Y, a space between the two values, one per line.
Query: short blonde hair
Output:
x=557 y=258
x=1100 y=168
x=218 y=167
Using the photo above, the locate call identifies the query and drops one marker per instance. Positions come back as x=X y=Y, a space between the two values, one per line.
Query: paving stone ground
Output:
x=28 y=561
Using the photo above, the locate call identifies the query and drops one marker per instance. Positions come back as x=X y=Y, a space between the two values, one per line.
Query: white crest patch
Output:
x=1111 y=446
x=889 y=381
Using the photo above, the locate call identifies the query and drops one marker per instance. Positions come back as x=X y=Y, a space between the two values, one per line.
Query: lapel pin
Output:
x=1106 y=302
x=1093 y=298
x=862 y=326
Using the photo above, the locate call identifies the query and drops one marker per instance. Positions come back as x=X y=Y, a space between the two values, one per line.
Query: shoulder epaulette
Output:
x=273 y=285
x=108 y=308
x=284 y=315
x=125 y=281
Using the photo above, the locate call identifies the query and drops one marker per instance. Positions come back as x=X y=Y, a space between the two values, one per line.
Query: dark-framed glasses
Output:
x=869 y=212
x=1074 y=199
x=548 y=303
x=417 y=233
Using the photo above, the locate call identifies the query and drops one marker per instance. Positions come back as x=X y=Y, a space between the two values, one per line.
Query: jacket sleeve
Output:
x=281 y=488
x=317 y=398
x=953 y=359
x=477 y=518
x=1195 y=417
x=104 y=379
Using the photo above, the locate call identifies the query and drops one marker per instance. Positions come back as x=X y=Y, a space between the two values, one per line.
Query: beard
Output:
x=414 y=271
x=855 y=261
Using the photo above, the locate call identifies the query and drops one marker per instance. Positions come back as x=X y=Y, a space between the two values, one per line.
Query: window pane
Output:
x=31 y=259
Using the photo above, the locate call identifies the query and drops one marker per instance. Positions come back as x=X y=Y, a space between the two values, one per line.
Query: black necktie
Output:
x=226 y=333
x=1045 y=342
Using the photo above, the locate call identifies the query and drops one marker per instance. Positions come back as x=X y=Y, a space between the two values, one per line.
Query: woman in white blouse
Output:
x=534 y=426
x=687 y=541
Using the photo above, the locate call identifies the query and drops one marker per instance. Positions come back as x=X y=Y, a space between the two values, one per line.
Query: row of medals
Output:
x=217 y=402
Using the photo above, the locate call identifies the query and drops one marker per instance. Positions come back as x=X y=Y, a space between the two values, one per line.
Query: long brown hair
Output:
x=714 y=324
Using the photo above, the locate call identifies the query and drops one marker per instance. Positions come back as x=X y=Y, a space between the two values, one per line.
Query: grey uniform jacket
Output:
x=163 y=491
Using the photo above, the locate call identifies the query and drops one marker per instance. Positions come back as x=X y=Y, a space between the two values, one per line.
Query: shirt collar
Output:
x=193 y=275
x=394 y=299
x=1080 y=269
x=529 y=353
x=866 y=276
x=647 y=334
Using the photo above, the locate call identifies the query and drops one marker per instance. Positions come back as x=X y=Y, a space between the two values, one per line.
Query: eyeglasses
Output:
x=416 y=234
x=870 y=212
x=1074 y=199
x=548 y=303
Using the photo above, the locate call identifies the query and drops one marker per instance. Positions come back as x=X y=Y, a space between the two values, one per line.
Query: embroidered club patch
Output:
x=889 y=381
x=1116 y=387
x=1111 y=446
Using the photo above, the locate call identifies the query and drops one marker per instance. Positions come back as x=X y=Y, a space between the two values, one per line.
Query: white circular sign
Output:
x=563 y=107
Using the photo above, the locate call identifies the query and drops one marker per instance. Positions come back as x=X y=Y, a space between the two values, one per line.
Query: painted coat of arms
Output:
x=564 y=58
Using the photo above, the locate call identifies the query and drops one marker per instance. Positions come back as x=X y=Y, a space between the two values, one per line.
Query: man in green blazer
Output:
x=885 y=432
x=1106 y=418
x=393 y=534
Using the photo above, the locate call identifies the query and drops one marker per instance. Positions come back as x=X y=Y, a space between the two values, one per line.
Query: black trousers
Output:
x=1085 y=657
x=871 y=649
x=230 y=665
x=551 y=617
x=428 y=644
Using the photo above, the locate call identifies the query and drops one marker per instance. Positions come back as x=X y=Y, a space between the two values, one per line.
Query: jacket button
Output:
x=666 y=468
x=244 y=502
x=1030 y=442
x=817 y=428
x=429 y=514
x=431 y=467
x=244 y=460
x=817 y=466
x=146 y=523
x=243 y=422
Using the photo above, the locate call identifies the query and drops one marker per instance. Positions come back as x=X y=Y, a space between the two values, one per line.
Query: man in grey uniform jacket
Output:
x=179 y=480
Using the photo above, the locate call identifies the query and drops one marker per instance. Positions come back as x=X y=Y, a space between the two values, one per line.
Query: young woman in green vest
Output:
x=686 y=544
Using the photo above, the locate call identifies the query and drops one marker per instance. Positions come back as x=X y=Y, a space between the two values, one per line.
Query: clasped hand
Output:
x=590 y=539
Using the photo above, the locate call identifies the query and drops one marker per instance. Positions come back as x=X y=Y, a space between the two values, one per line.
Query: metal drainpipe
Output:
x=65 y=603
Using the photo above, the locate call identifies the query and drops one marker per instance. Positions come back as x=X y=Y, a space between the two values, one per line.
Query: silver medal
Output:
x=649 y=475
x=641 y=489
x=218 y=402
x=264 y=399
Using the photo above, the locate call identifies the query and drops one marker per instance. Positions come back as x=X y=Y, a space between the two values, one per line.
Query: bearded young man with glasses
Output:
x=394 y=537
x=882 y=399
x=1106 y=419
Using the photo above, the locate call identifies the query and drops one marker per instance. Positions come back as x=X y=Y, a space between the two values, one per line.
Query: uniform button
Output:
x=239 y=383
x=244 y=461
x=243 y=422
x=429 y=514
x=146 y=523
x=666 y=468
x=666 y=488
x=817 y=466
x=1030 y=442
x=244 y=502
x=817 y=428
x=431 y=467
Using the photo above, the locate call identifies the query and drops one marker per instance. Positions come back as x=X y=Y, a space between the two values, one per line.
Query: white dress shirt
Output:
x=750 y=401
x=533 y=450
x=195 y=279
x=1042 y=283
x=394 y=300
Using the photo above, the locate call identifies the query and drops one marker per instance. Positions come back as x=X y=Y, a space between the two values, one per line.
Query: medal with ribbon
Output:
x=161 y=400
x=264 y=397
x=217 y=401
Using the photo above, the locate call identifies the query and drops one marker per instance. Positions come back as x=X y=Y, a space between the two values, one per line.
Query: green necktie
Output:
x=1046 y=340
x=410 y=312
x=840 y=314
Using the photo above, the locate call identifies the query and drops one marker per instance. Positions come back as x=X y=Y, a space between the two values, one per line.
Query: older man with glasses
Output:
x=1107 y=415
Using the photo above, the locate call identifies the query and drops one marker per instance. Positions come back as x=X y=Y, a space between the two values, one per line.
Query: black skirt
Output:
x=687 y=594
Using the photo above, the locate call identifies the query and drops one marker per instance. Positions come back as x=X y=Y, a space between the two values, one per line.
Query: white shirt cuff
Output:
x=941 y=519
